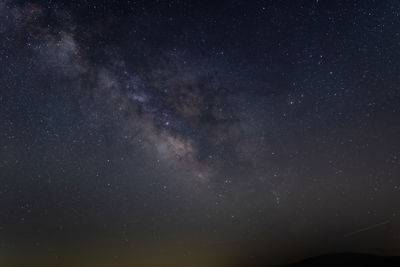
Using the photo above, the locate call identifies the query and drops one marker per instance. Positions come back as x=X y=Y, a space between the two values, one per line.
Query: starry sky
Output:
x=266 y=125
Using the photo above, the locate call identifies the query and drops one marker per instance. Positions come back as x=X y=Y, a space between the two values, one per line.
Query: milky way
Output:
x=265 y=122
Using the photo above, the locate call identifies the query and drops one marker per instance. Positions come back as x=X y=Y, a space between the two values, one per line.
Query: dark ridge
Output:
x=350 y=259
x=340 y=259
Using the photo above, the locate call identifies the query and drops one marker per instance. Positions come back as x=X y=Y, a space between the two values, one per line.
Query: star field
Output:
x=270 y=125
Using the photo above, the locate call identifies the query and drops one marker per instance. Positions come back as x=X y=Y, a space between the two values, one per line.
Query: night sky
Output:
x=238 y=127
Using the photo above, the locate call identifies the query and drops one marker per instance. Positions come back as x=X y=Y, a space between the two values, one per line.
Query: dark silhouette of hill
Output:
x=340 y=259
x=349 y=259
